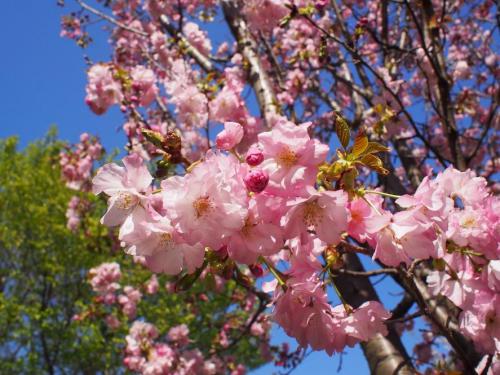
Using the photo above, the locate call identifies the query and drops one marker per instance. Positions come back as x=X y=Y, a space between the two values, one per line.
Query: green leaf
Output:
x=360 y=144
x=343 y=131
x=153 y=137
x=374 y=147
x=373 y=162
x=349 y=179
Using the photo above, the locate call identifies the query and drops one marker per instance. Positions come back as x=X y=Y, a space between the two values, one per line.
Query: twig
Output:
x=405 y=318
x=381 y=271
x=110 y=19
x=192 y=51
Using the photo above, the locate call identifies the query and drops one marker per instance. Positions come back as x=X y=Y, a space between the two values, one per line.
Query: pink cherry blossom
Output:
x=102 y=90
x=230 y=136
x=264 y=15
x=125 y=187
x=323 y=211
x=179 y=334
x=254 y=156
x=407 y=235
x=291 y=157
x=143 y=82
x=210 y=203
x=257 y=237
x=104 y=280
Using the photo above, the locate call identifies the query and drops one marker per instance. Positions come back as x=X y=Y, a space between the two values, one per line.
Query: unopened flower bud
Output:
x=256 y=180
x=256 y=270
x=254 y=157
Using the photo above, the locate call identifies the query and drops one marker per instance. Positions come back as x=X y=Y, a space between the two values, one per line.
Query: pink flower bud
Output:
x=256 y=270
x=256 y=180
x=84 y=137
x=254 y=156
x=136 y=86
x=230 y=136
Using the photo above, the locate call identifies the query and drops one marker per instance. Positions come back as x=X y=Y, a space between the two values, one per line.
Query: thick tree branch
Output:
x=258 y=76
x=434 y=53
x=385 y=355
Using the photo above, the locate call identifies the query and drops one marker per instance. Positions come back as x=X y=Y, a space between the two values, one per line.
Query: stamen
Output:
x=287 y=158
x=469 y=222
x=247 y=228
x=166 y=240
x=126 y=201
x=312 y=214
x=202 y=205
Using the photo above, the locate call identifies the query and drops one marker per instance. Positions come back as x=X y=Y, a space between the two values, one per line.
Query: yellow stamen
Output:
x=287 y=158
x=202 y=205
x=126 y=200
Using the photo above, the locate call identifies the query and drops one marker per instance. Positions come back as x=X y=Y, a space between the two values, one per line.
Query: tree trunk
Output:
x=385 y=355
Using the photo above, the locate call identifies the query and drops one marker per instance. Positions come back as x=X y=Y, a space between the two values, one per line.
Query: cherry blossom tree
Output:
x=277 y=143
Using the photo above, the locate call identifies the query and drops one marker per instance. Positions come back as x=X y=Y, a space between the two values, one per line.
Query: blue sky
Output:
x=43 y=78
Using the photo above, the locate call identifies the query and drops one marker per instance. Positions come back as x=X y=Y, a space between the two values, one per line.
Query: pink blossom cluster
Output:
x=103 y=89
x=249 y=210
x=144 y=89
x=303 y=310
x=191 y=103
x=264 y=15
x=71 y=27
x=109 y=85
x=77 y=207
x=128 y=301
x=104 y=281
x=170 y=7
x=76 y=162
x=454 y=218
x=145 y=355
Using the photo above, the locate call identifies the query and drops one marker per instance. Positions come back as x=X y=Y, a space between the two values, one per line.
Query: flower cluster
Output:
x=77 y=162
x=145 y=355
x=104 y=280
x=77 y=207
x=249 y=210
x=103 y=90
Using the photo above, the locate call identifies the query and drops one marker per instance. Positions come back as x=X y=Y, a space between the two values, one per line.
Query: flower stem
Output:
x=277 y=274
x=383 y=194
x=347 y=307
x=371 y=205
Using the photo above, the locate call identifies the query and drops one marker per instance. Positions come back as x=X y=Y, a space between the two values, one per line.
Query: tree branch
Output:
x=385 y=355
x=258 y=76
x=110 y=19
x=192 y=51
